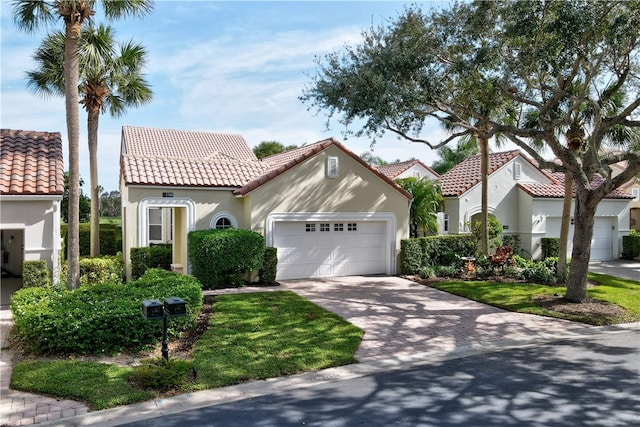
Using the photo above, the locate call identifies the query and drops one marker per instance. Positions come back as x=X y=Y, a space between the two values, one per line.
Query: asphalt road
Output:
x=591 y=381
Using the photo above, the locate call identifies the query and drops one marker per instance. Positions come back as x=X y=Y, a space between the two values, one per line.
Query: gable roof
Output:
x=393 y=170
x=282 y=162
x=172 y=157
x=467 y=173
x=31 y=163
x=168 y=157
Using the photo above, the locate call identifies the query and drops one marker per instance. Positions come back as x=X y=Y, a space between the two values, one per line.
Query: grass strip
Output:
x=270 y=334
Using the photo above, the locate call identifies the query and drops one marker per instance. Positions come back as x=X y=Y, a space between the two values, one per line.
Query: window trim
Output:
x=332 y=167
x=224 y=214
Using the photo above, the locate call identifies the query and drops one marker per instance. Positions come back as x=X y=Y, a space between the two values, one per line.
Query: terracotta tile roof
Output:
x=556 y=190
x=185 y=144
x=31 y=163
x=171 y=158
x=467 y=174
x=282 y=162
x=187 y=158
x=395 y=169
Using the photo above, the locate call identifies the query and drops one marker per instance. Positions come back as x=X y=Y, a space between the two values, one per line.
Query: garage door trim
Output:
x=388 y=218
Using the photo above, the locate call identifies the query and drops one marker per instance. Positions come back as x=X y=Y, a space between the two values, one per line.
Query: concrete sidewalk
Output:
x=405 y=323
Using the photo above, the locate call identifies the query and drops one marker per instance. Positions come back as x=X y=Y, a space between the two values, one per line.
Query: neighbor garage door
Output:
x=601 y=242
x=325 y=249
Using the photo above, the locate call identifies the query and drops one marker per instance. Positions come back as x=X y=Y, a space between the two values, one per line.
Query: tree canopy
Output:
x=269 y=148
x=518 y=70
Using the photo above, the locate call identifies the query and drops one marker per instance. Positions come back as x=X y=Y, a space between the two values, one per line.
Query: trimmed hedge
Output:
x=101 y=269
x=550 y=247
x=100 y=319
x=267 y=273
x=417 y=253
x=630 y=246
x=35 y=273
x=219 y=257
x=156 y=256
x=110 y=238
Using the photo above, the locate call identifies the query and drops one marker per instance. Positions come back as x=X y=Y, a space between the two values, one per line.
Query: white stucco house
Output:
x=31 y=190
x=528 y=202
x=408 y=169
x=326 y=210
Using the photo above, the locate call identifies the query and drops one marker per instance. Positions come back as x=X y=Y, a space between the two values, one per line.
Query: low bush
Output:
x=103 y=318
x=420 y=252
x=102 y=269
x=145 y=258
x=631 y=246
x=162 y=375
x=219 y=258
x=267 y=273
x=550 y=247
x=35 y=273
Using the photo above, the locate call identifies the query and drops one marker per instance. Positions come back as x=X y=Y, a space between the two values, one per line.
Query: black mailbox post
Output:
x=152 y=309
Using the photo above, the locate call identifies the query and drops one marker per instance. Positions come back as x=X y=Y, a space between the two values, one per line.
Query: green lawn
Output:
x=251 y=336
x=519 y=297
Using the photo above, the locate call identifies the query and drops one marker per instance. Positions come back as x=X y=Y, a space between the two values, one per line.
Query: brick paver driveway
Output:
x=403 y=318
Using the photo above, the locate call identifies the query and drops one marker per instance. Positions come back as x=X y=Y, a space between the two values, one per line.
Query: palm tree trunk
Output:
x=484 y=215
x=584 y=220
x=566 y=224
x=71 y=76
x=93 y=119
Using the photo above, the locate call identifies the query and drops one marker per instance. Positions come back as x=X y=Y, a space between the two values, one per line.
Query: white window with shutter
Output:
x=332 y=167
x=636 y=194
x=517 y=171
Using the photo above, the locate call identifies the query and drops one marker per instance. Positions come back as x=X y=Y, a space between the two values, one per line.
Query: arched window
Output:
x=223 y=220
x=223 y=223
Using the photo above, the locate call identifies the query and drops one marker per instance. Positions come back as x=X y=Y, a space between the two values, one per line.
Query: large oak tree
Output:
x=486 y=68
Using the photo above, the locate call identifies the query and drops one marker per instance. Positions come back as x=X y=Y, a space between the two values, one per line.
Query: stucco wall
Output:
x=306 y=188
x=39 y=220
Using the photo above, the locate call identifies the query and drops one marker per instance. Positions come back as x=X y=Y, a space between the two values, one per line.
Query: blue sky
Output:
x=230 y=66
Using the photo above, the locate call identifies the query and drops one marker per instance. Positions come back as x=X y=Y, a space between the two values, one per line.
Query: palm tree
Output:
x=31 y=15
x=427 y=199
x=110 y=79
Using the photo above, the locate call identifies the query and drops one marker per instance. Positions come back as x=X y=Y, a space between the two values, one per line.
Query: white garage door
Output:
x=325 y=249
x=601 y=242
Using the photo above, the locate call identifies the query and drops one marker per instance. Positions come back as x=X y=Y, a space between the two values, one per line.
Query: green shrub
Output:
x=427 y=272
x=110 y=238
x=100 y=270
x=512 y=240
x=447 y=271
x=100 y=319
x=420 y=252
x=630 y=246
x=35 y=273
x=550 y=247
x=411 y=256
x=540 y=274
x=145 y=258
x=220 y=257
x=160 y=375
x=269 y=268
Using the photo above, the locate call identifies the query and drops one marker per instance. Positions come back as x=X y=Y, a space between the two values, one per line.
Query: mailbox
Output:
x=152 y=309
x=175 y=306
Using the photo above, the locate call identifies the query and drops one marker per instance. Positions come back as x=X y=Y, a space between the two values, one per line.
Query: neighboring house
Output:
x=327 y=211
x=632 y=187
x=31 y=189
x=410 y=168
x=528 y=202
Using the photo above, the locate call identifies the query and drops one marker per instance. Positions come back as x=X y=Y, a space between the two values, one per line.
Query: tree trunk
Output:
x=71 y=76
x=566 y=224
x=484 y=215
x=93 y=119
x=583 y=233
